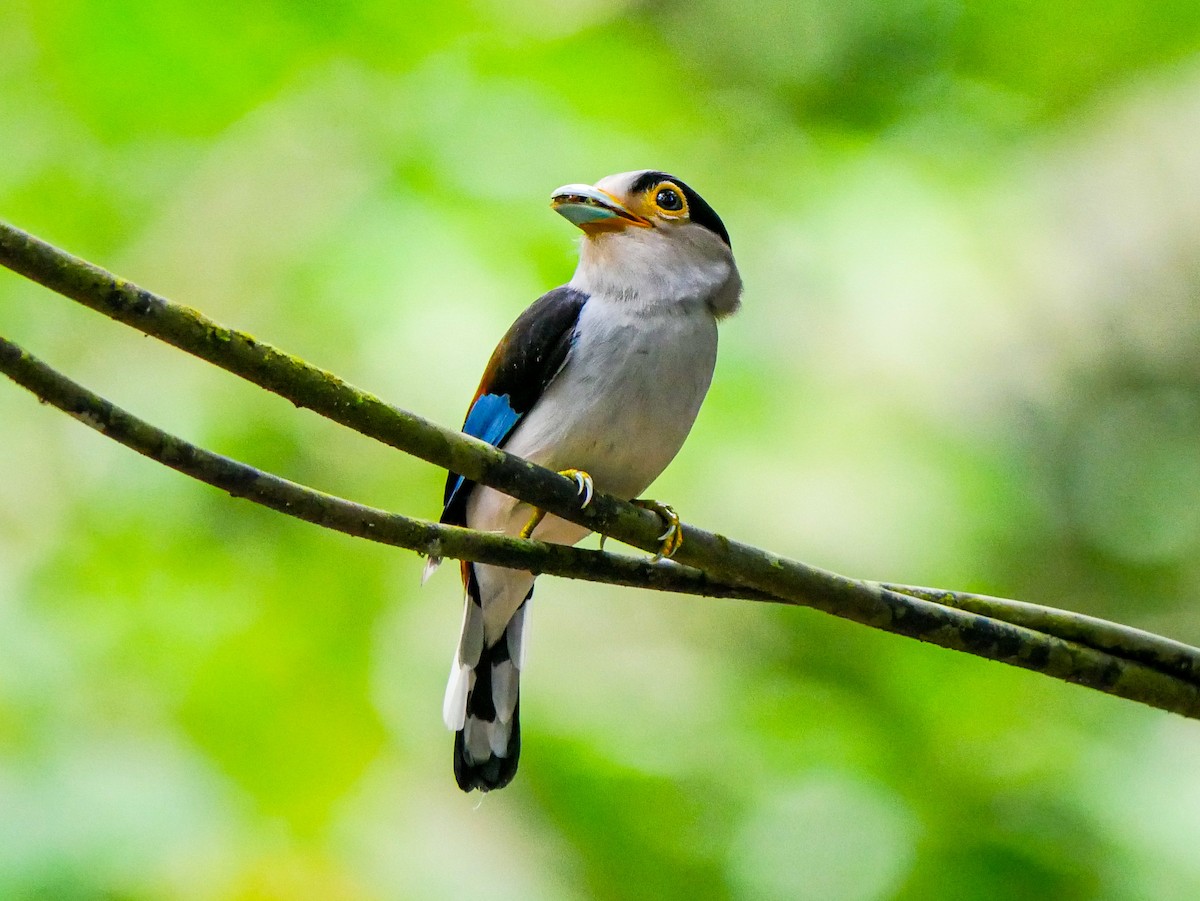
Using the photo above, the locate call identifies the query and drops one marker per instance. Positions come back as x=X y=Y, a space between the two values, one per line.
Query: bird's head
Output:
x=650 y=238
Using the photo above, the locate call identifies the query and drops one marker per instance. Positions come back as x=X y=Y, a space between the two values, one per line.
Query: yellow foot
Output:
x=586 y=488
x=583 y=482
x=672 y=538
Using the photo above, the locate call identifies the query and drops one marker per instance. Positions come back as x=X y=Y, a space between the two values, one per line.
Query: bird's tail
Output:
x=482 y=703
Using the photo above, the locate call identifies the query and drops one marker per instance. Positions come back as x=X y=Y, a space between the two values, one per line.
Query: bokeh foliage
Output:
x=968 y=357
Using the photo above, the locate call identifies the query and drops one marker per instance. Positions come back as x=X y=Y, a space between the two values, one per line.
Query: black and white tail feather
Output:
x=482 y=704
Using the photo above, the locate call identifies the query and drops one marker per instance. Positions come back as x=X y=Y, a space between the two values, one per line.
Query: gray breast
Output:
x=628 y=395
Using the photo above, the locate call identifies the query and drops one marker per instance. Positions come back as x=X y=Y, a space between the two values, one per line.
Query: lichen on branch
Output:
x=1146 y=668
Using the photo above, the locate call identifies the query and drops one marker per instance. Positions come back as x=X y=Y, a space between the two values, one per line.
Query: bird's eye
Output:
x=669 y=199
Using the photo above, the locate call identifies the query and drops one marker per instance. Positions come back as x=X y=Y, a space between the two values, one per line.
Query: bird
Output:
x=600 y=379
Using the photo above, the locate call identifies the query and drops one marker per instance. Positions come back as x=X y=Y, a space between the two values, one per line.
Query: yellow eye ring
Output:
x=669 y=200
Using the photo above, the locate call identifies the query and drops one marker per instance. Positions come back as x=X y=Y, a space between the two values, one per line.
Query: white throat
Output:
x=654 y=268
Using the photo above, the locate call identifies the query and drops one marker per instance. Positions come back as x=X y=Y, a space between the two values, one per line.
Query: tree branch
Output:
x=428 y=538
x=724 y=561
x=331 y=512
x=1155 y=651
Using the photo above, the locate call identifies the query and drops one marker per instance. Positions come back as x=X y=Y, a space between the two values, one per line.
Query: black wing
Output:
x=526 y=360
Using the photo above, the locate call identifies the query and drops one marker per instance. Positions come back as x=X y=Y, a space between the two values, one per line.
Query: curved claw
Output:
x=672 y=538
x=583 y=483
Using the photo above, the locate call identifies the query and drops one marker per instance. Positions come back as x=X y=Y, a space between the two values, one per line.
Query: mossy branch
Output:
x=331 y=512
x=1164 y=677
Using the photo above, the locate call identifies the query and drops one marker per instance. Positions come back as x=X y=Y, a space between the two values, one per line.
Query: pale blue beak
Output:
x=593 y=210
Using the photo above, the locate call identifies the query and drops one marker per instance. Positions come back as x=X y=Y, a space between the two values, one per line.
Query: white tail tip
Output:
x=431 y=566
x=454 y=706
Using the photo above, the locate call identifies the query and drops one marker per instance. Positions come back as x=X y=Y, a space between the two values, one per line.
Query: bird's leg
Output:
x=585 y=485
x=672 y=538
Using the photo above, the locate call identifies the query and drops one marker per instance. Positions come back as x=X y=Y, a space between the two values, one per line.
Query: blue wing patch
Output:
x=526 y=360
x=491 y=419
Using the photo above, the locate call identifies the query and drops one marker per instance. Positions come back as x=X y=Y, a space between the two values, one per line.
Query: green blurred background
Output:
x=968 y=357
